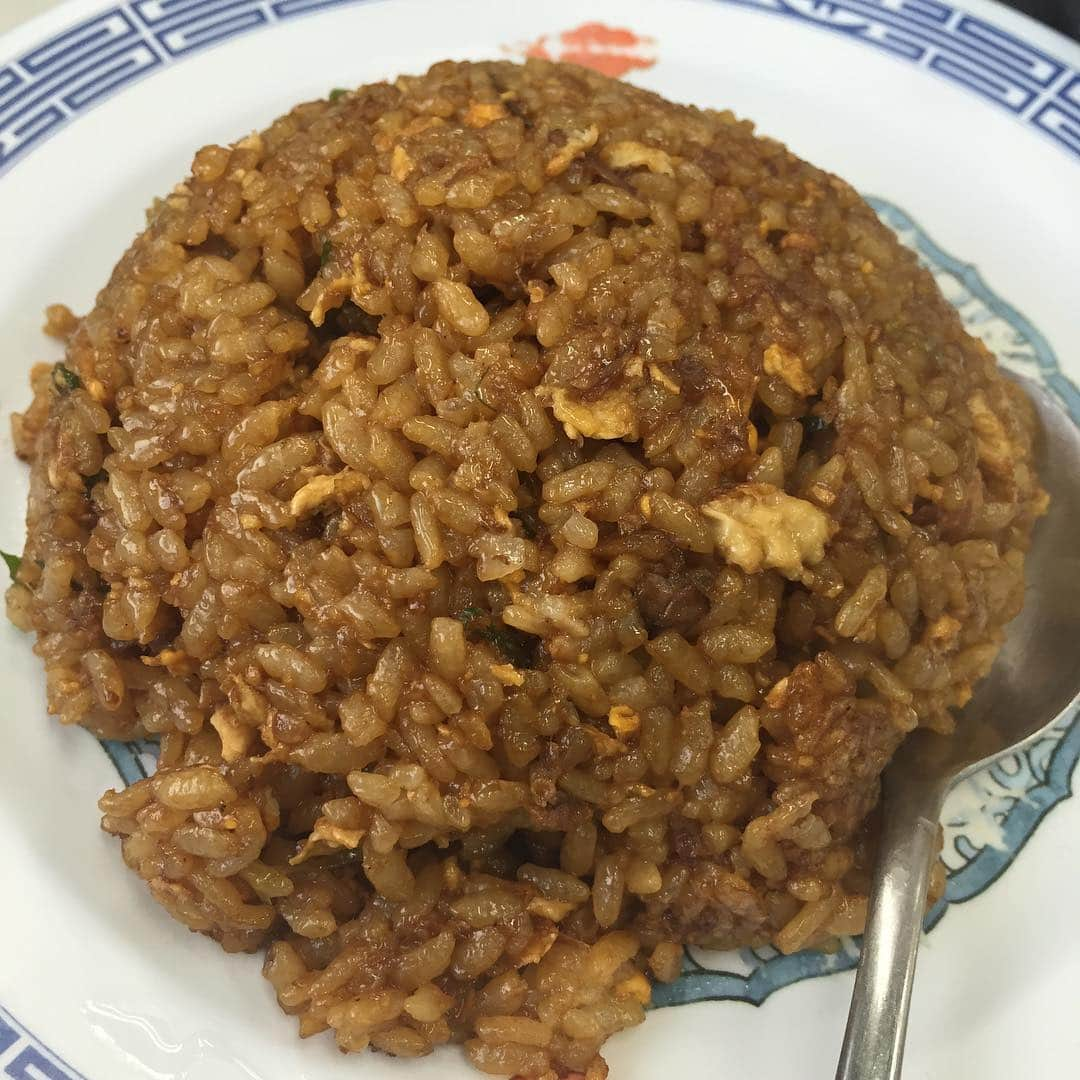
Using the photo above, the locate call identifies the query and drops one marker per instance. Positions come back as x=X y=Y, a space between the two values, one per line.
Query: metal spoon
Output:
x=1035 y=680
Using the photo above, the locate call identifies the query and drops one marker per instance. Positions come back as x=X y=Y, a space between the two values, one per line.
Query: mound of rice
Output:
x=529 y=514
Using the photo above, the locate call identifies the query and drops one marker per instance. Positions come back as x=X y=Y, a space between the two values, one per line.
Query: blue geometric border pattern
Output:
x=23 y=1057
x=134 y=761
x=991 y=815
x=1039 y=89
x=57 y=80
x=52 y=83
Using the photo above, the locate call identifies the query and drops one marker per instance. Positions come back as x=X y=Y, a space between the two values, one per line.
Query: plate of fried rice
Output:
x=487 y=493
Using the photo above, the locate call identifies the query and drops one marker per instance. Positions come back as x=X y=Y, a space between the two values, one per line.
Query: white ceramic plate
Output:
x=965 y=127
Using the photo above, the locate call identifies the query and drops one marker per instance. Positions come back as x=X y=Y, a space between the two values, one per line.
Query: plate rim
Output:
x=950 y=42
x=58 y=21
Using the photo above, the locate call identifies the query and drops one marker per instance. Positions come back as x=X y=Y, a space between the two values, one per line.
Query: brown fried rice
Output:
x=529 y=514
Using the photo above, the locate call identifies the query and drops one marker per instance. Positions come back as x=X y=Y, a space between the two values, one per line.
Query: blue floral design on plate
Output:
x=991 y=815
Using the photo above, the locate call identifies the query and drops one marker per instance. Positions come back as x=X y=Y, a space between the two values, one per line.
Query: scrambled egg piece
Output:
x=539 y=944
x=623 y=720
x=789 y=367
x=422 y=123
x=174 y=661
x=614 y=416
x=550 y=909
x=932 y=492
x=629 y=154
x=235 y=737
x=576 y=144
x=359 y=343
x=253 y=705
x=759 y=527
x=323 y=488
x=507 y=674
x=778 y=694
x=326 y=838
x=944 y=630
x=481 y=113
x=665 y=380
x=400 y=163
x=327 y=295
x=996 y=452
x=604 y=745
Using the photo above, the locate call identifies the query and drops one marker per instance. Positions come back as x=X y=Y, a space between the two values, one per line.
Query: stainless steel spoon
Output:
x=1034 y=681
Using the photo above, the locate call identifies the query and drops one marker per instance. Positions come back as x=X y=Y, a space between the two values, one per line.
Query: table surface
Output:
x=1063 y=15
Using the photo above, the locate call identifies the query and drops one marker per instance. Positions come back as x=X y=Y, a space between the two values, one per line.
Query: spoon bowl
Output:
x=1034 y=681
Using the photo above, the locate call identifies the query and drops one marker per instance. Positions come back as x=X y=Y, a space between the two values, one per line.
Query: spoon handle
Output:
x=874 y=1040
